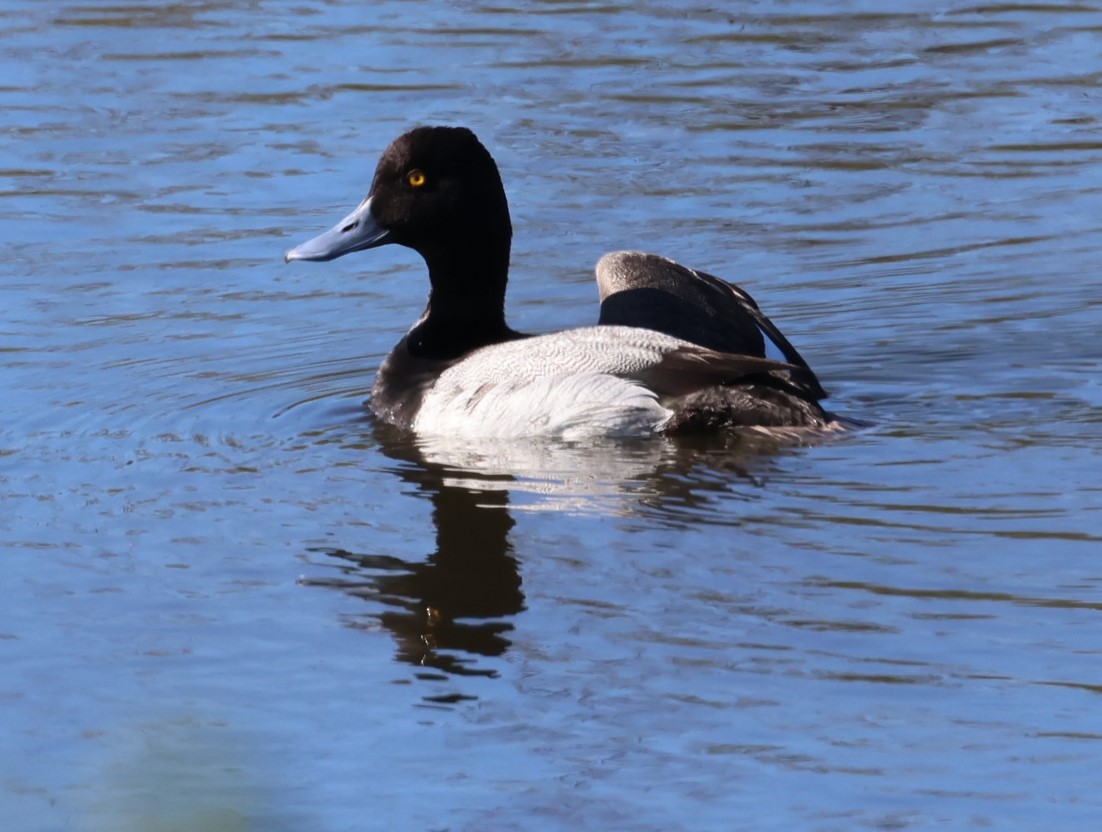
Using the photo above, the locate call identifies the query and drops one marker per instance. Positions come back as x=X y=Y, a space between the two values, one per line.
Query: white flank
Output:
x=565 y=407
x=572 y=385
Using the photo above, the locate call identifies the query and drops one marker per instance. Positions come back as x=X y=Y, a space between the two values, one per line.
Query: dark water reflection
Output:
x=454 y=604
x=891 y=629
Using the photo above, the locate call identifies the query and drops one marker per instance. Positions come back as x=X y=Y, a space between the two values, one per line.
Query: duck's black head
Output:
x=439 y=187
x=436 y=190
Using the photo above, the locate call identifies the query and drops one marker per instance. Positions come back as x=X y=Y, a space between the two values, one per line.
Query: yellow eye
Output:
x=416 y=178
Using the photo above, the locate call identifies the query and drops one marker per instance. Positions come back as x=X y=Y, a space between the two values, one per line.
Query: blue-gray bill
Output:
x=356 y=232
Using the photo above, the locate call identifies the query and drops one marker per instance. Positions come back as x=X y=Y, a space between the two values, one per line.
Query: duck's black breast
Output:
x=418 y=360
x=401 y=383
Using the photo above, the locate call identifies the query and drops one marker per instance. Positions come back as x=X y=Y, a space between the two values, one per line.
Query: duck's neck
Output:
x=466 y=308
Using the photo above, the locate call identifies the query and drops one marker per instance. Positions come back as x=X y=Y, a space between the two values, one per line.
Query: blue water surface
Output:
x=235 y=602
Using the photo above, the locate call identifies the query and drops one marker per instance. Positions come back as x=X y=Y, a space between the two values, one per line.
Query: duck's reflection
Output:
x=455 y=605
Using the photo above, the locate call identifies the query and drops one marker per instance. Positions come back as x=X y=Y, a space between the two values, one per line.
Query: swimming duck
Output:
x=675 y=350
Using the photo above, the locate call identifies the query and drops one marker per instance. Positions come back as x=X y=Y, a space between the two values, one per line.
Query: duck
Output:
x=674 y=350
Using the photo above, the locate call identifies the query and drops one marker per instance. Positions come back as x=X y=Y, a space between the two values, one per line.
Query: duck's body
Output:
x=591 y=381
x=675 y=350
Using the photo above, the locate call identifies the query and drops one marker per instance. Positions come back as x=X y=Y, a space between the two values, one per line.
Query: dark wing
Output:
x=652 y=292
x=690 y=369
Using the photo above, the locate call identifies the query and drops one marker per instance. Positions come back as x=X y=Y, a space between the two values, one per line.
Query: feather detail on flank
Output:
x=570 y=407
x=593 y=381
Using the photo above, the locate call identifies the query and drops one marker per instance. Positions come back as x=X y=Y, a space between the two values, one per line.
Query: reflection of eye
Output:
x=416 y=178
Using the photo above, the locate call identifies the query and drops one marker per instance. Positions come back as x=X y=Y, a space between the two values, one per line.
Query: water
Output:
x=233 y=602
